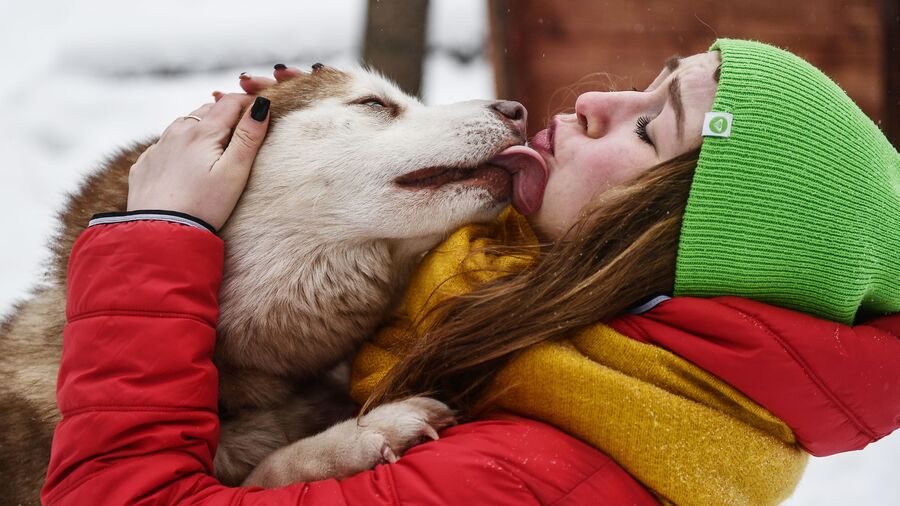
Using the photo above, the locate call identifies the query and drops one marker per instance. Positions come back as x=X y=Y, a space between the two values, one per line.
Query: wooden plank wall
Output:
x=891 y=20
x=542 y=47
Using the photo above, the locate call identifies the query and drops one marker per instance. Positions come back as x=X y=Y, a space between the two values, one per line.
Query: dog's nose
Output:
x=514 y=112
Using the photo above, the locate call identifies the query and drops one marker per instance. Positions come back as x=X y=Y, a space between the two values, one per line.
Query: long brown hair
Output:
x=620 y=253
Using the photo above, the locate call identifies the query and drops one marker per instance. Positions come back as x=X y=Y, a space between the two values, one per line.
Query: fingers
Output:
x=183 y=123
x=248 y=137
x=201 y=111
x=283 y=73
x=226 y=112
x=254 y=84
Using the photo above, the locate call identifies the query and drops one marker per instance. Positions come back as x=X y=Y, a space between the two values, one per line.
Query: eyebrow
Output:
x=672 y=62
x=675 y=98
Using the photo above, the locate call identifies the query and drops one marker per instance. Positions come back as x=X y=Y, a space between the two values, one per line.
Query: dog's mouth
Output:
x=517 y=172
x=435 y=177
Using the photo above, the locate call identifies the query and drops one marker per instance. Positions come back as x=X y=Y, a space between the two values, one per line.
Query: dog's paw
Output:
x=398 y=426
x=386 y=432
x=355 y=445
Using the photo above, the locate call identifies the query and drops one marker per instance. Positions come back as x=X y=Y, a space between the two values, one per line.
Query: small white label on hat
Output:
x=717 y=124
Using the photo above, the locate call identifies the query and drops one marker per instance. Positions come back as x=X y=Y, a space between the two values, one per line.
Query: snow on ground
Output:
x=84 y=77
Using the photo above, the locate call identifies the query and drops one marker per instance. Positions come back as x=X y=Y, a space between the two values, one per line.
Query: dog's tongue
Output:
x=529 y=176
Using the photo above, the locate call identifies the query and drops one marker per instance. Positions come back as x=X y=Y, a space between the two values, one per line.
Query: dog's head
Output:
x=351 y=155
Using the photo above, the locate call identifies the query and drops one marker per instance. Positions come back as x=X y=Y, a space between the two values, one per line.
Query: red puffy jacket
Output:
x=137 y=390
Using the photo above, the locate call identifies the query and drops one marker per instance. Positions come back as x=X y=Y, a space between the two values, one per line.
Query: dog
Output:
x=354 y=183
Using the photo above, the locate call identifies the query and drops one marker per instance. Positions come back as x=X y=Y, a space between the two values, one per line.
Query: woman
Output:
x=786 y=222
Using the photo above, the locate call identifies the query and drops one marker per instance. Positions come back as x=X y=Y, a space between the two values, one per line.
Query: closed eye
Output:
x=370 y=102
x=641 y=129
x=378 y=105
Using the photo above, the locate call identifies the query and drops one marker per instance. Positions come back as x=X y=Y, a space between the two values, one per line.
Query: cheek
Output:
x=594 y=167
x=567 y=195
x=598 y=167
x=568 y=191
x=573 y=186
x=573 y=189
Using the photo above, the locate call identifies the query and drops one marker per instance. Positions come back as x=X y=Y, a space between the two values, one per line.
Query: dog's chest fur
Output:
x=301 y=305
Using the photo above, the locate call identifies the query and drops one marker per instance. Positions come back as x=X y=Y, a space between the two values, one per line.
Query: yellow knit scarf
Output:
x=686 y=435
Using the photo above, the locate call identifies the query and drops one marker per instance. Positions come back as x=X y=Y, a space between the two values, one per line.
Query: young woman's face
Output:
x=614 y=137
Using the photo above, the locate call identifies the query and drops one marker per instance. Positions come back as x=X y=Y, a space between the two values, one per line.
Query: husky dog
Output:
x=355 y=181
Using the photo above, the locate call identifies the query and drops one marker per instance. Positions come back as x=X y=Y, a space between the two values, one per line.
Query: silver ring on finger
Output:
x=191 y=116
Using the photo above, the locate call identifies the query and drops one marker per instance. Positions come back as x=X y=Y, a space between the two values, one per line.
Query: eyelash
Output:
x=641 y=129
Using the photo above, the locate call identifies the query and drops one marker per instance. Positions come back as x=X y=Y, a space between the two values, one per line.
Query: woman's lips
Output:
x=543 y=141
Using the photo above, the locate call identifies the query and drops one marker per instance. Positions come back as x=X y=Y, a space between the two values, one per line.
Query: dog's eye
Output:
x=378 y=106
x=370 y=102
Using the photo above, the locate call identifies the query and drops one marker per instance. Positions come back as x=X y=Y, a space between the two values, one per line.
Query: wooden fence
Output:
x=541 y=47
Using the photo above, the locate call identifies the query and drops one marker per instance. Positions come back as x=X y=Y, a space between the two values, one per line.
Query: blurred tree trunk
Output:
x=395 y=40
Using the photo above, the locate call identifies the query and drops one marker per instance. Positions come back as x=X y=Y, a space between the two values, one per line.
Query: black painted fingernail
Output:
x=280 y=66
x=260 y=108
x=243 y=75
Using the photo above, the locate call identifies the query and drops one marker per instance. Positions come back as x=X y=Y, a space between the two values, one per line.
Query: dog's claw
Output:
x=430 y=432
x=388 y=454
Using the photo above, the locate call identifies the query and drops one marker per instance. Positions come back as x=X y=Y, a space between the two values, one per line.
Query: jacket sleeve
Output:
x=836 y=386
x=137 y=389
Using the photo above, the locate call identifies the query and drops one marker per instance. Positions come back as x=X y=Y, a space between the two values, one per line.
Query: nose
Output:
x=595 y=111
x=514 y=112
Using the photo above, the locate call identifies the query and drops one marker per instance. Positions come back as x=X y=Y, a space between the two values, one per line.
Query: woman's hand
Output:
x=200 y=167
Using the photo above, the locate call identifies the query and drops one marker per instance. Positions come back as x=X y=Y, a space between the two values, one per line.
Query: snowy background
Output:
x=81 y=78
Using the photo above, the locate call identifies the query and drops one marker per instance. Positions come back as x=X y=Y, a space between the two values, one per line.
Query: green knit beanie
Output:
x=800 y=206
